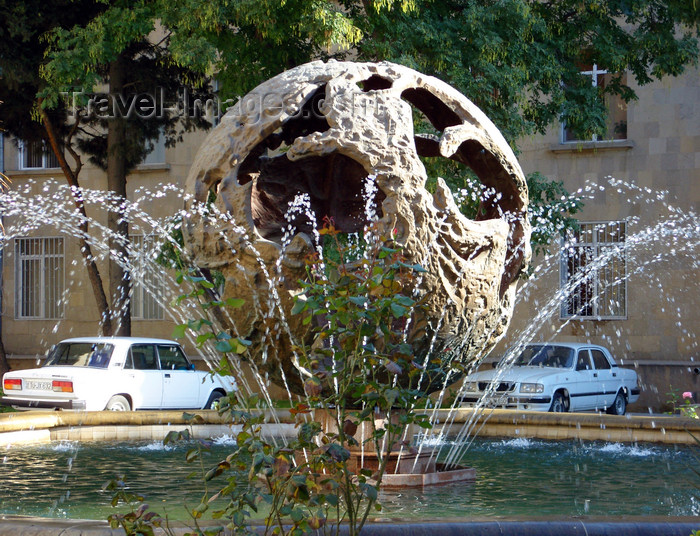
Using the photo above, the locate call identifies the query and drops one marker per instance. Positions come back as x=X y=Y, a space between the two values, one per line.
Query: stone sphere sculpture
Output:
x=322 y=129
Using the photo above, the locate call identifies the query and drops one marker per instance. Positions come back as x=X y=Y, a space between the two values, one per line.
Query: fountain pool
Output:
x=517 y=477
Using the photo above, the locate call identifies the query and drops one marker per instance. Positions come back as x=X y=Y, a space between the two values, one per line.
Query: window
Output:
x=583 y=362
x=142 y=357
x=593 y=272
x=39 y=278
x=599 y=360
x=172 y=358
x=616 y=122
x=147 y=280
x=80 y=354
x=215 y=109
x=157 y=154
x=36 y=155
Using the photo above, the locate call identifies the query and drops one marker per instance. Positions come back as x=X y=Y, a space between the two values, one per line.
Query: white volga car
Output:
x=115 y=373
x=555 y=377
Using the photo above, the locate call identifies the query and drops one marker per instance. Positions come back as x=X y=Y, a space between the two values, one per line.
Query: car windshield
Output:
x=80 y=354
x=545 y=355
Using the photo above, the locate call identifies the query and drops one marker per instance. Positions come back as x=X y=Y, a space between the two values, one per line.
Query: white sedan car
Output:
x=115 y=373
x=555 y=377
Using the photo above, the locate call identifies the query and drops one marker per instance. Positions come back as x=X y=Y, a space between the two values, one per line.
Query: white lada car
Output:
x=115 y=373
x=555 y=377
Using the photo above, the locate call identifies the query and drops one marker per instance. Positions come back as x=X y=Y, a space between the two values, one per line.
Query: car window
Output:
x=583 y=361
x=546 y=355
x=80 y=354
x=144 y=357
x=599 y=360
x=527 y=354
x=172 y=357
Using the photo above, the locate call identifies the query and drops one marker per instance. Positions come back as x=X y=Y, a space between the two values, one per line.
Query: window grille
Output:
x=39 y=278
x=36 y=155
x=594 y=271
x=146 y=279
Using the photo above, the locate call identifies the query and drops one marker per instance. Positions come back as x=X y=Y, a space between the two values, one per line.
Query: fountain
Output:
x=338 y=140
x=69 y=492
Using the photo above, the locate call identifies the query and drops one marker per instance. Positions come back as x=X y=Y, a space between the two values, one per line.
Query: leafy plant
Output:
x=682 y=403
x=358 y=371
x=139 y=520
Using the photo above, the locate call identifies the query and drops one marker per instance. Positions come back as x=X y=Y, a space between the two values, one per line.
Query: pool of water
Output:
x=516 y=477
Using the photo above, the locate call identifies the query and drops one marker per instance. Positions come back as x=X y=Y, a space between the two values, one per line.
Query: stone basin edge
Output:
x=595 y=526
x=45 y=426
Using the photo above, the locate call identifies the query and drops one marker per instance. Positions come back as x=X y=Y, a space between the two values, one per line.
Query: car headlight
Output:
x=531 y=388
x=471 y=386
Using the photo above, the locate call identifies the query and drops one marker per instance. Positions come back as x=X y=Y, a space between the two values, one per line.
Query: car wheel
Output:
x=213 y=402
x=118 y=403
x=619 y=405
x=559 y=404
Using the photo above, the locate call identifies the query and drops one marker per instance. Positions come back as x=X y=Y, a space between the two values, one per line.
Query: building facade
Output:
x=631 y=272
x=46 y=293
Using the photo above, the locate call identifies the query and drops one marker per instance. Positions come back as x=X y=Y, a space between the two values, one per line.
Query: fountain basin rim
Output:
x=45 y=426
x=11 y=525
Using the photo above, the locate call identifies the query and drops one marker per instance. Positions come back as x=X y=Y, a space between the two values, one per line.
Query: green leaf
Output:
x=298 y=480
x=199 y=510
x=399 y=311
x=235 y=303
x=203 y=337
x=369 y=491
x=404 y=300
x=338 y=452
x=179 y=331
x=216 y=471
x=191 y=418
x=196 y=325
x=299 y=305
x=224 y=347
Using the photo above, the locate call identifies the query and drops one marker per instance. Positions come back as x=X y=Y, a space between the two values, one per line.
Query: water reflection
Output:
x=516 y=477
x=524 y=477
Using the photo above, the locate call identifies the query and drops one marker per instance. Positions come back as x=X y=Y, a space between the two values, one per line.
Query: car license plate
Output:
x=39 y=385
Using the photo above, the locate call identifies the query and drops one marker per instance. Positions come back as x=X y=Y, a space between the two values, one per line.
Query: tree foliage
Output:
x=520 y=60
x=22 y=52
x=55 y=62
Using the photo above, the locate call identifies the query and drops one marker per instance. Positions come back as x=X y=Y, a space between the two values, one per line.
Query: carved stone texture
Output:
x=323 y=128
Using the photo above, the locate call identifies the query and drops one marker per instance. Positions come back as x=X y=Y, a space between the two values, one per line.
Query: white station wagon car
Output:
x=555 y=377
x=115 y=373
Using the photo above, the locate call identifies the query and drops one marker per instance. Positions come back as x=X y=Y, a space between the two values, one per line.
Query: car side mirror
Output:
x=494 y=364
x=191 y=366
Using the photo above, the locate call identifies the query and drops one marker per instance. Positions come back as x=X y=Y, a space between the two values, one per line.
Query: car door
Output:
x=608 y=382
x=583 y=391
x=144 y=376
x=181 y=384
